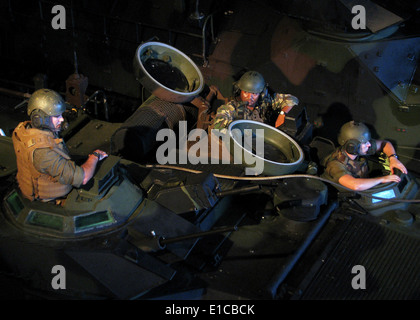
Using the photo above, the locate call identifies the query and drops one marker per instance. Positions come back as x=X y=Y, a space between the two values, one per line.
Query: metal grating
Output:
x=391 y=261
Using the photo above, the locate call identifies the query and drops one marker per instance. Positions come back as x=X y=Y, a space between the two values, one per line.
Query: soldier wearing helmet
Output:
x=45 y=169
x=348 y=166
x=253 y=102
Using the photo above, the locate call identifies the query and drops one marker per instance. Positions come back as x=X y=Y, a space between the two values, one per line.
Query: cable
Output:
x=406 y=147
x=222 y=176
x=411 y=158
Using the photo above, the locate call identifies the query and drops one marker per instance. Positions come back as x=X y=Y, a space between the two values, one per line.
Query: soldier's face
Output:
x=364 y=147
x=250 y=97
x=57 y=122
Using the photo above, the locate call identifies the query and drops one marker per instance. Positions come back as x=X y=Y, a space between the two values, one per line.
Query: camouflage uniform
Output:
x=236 y=110
x=339 y=164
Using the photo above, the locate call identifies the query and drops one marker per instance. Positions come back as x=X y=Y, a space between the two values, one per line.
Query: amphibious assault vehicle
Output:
x=205 y=228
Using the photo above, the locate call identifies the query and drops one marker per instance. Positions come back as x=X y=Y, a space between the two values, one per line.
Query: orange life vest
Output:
x=32 y=183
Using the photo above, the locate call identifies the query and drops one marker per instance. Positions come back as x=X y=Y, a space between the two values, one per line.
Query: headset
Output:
x=40 y=119
x=351 y=136
x=352 y=146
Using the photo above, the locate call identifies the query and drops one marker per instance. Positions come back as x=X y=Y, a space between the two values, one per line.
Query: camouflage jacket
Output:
x=263 y=111
x=339 y=164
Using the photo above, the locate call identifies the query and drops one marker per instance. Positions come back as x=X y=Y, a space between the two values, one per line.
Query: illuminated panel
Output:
x=15 y=204
x=93 y=220
x=45 y=220
x=387 y=194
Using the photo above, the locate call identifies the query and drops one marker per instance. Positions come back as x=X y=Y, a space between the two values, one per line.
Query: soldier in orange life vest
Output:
x=45 y=169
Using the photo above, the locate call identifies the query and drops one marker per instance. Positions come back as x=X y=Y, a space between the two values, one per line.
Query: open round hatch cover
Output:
x=167 y=73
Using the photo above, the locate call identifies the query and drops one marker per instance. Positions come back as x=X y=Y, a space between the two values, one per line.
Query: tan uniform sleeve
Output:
x=63 y=170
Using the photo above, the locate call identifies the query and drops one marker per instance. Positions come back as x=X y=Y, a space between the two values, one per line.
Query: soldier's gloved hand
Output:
x=291 y=100
x=100 y=154
x=282 y=101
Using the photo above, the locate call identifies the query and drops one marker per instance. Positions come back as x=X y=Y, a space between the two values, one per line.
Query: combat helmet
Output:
x=251 y=81
x=43 y=104
x=352 y=134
